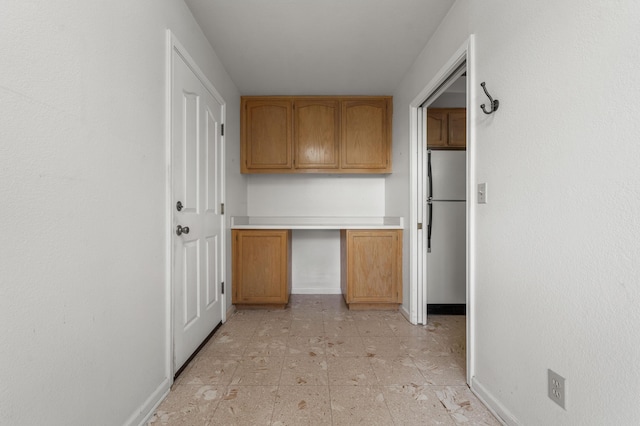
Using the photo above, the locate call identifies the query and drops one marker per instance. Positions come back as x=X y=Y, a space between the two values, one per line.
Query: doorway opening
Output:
x=441 y=225
x=443 y=116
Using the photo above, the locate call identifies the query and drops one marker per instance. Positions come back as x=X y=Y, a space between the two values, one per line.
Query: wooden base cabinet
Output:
x=371 y=268
x=261 y=267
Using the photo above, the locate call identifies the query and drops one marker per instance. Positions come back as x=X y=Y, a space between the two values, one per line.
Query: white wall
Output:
x=83 y=291
x=557 y=245
x=316 y=254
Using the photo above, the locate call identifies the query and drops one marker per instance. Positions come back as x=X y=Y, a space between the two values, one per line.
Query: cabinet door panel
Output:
x=261 y=266
x=436 y=128
x=316 y=134
x=365 y=135
x=373 y=269
x=267 y=134
x=457 y=129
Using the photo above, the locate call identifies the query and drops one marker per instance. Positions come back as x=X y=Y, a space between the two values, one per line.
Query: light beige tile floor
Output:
x=317 y=363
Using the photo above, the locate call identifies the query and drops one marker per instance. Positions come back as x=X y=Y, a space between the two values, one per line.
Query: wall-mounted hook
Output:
x=494 y=102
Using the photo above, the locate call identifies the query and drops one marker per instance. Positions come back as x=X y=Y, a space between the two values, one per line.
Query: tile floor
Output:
x=317 y=363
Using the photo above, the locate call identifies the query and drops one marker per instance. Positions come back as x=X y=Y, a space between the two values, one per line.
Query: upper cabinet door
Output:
x=436 y=128
x=316 y=134
x=458 y=128
x=366 y=135
x=266 y=135
x=446 y=128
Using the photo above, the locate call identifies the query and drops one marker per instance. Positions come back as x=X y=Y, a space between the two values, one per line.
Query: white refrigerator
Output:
x=446 y=227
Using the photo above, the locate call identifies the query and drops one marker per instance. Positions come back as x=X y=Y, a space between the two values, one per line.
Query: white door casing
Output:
x=197 y=256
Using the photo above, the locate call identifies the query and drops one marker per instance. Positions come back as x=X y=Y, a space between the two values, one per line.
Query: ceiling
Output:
x=318 y=47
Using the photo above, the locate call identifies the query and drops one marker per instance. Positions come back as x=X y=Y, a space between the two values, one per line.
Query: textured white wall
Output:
x=558 y=287
x=557 y=245
x=82 y=173
x=316 y=254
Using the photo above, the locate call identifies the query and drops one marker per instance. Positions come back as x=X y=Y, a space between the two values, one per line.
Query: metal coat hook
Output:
x=494 y=102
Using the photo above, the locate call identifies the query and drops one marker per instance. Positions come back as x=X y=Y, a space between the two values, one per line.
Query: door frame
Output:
x=417 y=247
x=173 y=45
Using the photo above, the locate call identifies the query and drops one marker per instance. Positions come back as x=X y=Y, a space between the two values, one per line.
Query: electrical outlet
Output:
x=482 y=193
x=556 y=388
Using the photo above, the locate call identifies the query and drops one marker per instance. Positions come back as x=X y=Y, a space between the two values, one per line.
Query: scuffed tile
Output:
x=351 y=371
x=359 y=405
x=305 y=346
x=267 y=346
x=305 y=371
x=208 y=371
x=411 y=404
x=396 y=371
x=188 y=404
x=373 y=328
x=388 y=346
x=306 y=328
x=258 y=371
x=225 y=345
x=464 y=407
x=346 y=346
x=442 y=371
x=246 y=405
x=302 y=406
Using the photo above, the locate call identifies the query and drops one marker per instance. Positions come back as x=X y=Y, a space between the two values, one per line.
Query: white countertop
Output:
x=306 y=222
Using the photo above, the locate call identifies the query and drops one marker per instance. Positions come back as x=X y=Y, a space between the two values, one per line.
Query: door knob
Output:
x=179 y=206
x=182 y=230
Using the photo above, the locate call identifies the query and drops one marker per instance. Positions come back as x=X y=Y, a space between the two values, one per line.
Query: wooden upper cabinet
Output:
x=266 y=135
x=447 y=128
x=458 y=129
x=316 y=134
x=366 y=128
x=436 y=128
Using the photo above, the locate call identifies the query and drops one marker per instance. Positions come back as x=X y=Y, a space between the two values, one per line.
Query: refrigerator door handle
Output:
x=430 y=196
x=429 y=226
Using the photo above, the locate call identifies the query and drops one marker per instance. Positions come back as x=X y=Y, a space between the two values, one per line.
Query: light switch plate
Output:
x=482 y=193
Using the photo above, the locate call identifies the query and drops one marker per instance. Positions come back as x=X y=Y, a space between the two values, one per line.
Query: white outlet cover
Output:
x=556 y=388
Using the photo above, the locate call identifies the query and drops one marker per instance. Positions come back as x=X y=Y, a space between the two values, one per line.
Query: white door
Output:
x=197 y=184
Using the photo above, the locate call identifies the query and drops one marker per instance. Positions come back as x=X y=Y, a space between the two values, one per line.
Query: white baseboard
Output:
x=316 y=290
x=230 y=312
x=496 y=408
x=403 y=311
x=143 y=413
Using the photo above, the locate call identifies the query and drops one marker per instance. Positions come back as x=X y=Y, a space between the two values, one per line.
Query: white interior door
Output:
x=197 y=184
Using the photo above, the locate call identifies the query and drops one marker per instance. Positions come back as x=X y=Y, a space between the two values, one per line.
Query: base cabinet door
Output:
x=261 y=267
x=371 y=268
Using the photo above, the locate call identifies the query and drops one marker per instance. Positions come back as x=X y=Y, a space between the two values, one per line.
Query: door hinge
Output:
x=222 y=129
x=419 y=226
x=221 y=208
x=222 y=286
